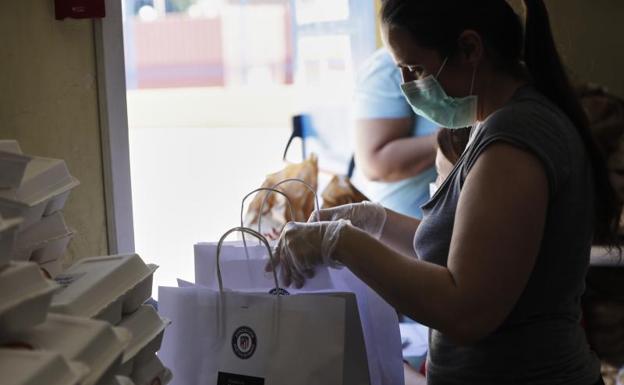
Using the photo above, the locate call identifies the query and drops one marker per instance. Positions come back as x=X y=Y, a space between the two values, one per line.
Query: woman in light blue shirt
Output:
x=395 y=149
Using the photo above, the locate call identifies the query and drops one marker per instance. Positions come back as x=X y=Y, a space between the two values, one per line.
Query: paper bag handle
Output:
x=252 y=233
x=292 y=214
x=312 y=190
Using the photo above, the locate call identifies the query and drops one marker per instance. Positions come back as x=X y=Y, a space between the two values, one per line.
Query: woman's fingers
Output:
x=285 y=273
x=310 y=273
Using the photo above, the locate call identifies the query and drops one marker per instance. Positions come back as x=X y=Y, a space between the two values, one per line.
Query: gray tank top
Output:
x=541 y=341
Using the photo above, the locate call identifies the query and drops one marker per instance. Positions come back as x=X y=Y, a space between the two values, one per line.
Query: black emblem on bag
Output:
x=280 y=291
x=244 y=342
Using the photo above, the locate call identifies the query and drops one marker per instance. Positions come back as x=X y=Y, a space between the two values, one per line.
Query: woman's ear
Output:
x=471 y=48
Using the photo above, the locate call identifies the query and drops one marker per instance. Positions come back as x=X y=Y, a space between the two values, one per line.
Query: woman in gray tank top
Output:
x=496 y=267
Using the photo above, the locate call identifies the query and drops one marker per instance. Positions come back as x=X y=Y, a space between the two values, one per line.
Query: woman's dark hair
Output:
x=437 y=24
x=452 y=143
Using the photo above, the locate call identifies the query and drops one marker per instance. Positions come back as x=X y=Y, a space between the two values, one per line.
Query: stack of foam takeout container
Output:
x=89 y=325
x=25 y=296
x=22 y=367
x=114 y=289
x=36 y=189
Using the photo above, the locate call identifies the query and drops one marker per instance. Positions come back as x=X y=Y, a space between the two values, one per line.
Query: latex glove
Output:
x=304 y=246
x=367 y=216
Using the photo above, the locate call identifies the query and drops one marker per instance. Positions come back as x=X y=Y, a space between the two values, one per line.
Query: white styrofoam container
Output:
x=52 y=249
x=94 y=343
x=10 y=145
x=43 y=191
x=44 y=241
x=8 y=235
x=147 y=329
x=12 y=168
x=104 y=287
x=23 y=367
x=151 y=372
x=25 y=296
x=52 y=269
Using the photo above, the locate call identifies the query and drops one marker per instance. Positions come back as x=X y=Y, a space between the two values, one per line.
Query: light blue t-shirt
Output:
x=378 y=95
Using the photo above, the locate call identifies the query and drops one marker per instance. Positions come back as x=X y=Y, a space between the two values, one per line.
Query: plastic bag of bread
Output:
x=340 y=191
x=612 y=375
x=276 y=211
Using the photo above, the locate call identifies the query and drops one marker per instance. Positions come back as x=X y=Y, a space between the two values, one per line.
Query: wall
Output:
x=589 y=34
x=49 y=104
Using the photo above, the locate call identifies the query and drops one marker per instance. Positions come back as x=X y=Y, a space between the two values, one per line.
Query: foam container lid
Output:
x=151 y=371
x=25 y=296
x=8 y=234
x=9 y=224
x=47 y=228
x=147 y=329
x=22 y=367
x=92 y=284
x=45 y=241
x=43 y=179
x=52 y=269
x=10 y=145
x=94 y=343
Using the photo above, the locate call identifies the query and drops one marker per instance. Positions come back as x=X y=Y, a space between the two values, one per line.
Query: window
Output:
x=212 y=86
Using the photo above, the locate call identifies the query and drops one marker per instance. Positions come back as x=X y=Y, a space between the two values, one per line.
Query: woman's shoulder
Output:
x=533 y=123
x=529 y=113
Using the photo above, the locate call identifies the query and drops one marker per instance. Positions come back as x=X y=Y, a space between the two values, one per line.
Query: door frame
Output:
x=113 y=116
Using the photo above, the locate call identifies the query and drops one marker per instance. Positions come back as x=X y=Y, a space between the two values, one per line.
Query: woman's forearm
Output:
x=421 y=290
x=386 y=150
x=398 y=232
x=404 y=158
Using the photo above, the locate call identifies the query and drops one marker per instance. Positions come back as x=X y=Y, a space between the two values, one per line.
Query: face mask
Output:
x=428 y=99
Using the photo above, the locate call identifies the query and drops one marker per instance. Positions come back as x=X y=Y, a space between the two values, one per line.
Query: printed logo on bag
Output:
x=278 y=291
x=244 y=342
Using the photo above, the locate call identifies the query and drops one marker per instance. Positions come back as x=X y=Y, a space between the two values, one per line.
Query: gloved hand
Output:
x=304 y=246
x=367 y=216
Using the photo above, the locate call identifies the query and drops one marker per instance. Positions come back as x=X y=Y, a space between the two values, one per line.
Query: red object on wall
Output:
x=79 y=9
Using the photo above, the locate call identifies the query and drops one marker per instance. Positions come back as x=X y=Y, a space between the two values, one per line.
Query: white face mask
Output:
x=429 y=100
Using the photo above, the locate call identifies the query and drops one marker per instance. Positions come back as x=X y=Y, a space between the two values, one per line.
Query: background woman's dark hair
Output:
x=452 y=143
x=437 y=24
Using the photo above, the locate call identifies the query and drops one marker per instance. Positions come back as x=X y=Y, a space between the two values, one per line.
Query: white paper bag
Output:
x=242 y=273
x=246 y=338
x=380 y=322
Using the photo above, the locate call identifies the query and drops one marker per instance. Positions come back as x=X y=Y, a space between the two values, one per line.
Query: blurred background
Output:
x=212 y=89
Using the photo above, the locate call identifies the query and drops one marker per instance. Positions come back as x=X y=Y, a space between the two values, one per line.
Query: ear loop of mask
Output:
x=472 y=82
x=441 y=67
